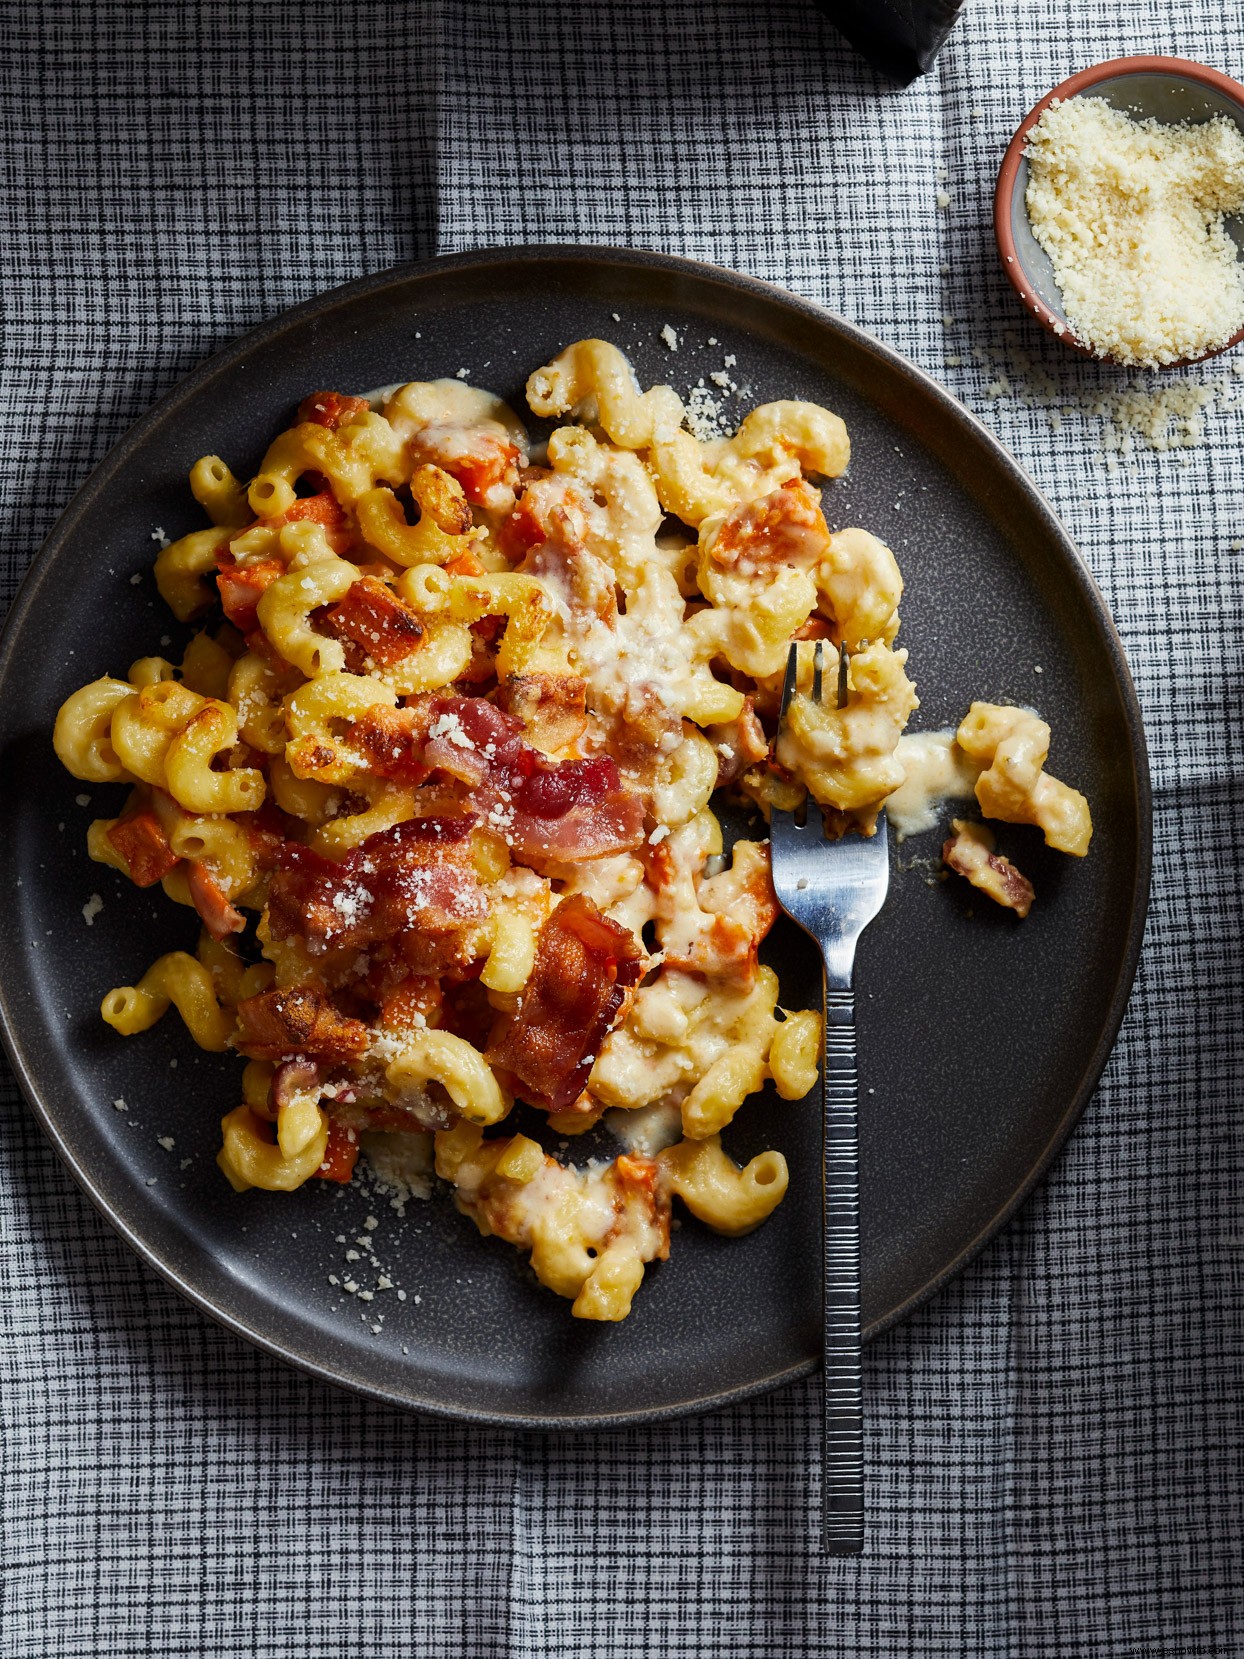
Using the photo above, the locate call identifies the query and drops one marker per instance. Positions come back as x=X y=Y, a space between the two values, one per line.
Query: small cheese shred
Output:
x=1131 y=215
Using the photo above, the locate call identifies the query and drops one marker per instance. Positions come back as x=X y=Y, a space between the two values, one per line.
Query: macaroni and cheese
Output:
x=453 y=748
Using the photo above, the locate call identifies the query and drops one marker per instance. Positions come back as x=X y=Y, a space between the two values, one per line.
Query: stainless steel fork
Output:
x=833 y=889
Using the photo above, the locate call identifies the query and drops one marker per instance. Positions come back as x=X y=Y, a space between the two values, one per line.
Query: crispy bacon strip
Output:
x=584 y=965
x=414 y=884
x=299 y=1020
x=574 y=810
x=332 y=409
x=547 y=811
x=469 y=738
x=969 y=853
x=372 y=617
x=739 y=743
x=140 y=839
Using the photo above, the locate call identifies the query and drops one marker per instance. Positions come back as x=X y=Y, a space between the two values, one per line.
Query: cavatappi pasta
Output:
x=454 y=744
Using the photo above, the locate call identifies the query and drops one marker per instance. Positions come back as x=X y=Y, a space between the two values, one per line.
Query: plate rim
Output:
x=226 y=357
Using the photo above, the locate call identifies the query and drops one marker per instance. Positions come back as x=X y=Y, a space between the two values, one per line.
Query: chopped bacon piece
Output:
x=485 y=463
x=414 y=884
x=739 y=743
x=243 y=586
x=784 y=528
x=469 y=737
x=323 y=508
x=587 y=584
x=970 y=853
x=293 y=1078
x=217 y=914
x=636 y=1173
x=467 y=1012
x=548 y=811
x=393 y=741
x=468 y=563
x=553 y=707
x=299 y=1020
x=414 y=1003
x=584 y=965
x=140 y=839
x=267 y=831
x=492 y=464
x=331 y=409
x=522 y=530
x=340 y=1155
x=376 y=620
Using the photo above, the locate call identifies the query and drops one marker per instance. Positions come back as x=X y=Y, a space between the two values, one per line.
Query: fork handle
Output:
x=842 y=1451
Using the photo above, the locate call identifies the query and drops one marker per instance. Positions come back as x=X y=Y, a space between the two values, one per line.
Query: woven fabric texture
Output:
x=1054 y=1445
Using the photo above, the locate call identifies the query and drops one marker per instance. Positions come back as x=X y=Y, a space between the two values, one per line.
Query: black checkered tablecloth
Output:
x=1055 y=1444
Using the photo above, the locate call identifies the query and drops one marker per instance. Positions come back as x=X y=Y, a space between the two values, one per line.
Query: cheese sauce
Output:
x=935 y=770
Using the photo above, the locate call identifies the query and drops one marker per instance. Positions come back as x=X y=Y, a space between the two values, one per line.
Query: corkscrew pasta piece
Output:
x=462 y=1071
x=726 y=1198
x=82 y=736
x=250 y=1157
x=222 y=496
x=175 y=979
x=776 y=445
x=593 y=382
x=443 y=531
x=184 y=571
x=1012 y=744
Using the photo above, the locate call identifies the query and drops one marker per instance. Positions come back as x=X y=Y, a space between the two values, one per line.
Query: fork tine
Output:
x=788 y=684
x=818 y=665
x=844 y=661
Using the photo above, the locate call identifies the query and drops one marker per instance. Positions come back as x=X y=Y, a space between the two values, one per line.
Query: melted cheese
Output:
x=648 y=1130
x=935 y=770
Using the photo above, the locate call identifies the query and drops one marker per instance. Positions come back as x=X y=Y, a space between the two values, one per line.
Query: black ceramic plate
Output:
x=980 y=1039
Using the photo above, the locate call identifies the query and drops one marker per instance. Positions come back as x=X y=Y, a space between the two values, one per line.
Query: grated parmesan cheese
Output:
x=1131 y=214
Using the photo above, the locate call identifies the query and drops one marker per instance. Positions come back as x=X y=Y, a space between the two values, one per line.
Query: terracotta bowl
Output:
x=1169 y=90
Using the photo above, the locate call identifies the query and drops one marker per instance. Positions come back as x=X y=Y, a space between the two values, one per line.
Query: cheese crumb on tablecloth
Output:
x=1130 y=214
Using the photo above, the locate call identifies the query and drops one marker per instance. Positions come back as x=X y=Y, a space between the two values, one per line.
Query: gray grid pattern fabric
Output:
x=1055 y=1445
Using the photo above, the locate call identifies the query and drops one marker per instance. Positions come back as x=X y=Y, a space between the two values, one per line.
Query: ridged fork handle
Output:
x=842 y=1461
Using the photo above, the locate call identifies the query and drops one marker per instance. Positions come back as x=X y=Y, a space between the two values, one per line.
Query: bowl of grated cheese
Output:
x=1119 y=212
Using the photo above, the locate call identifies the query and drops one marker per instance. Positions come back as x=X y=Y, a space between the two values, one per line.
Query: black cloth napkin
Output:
x=899 y=37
